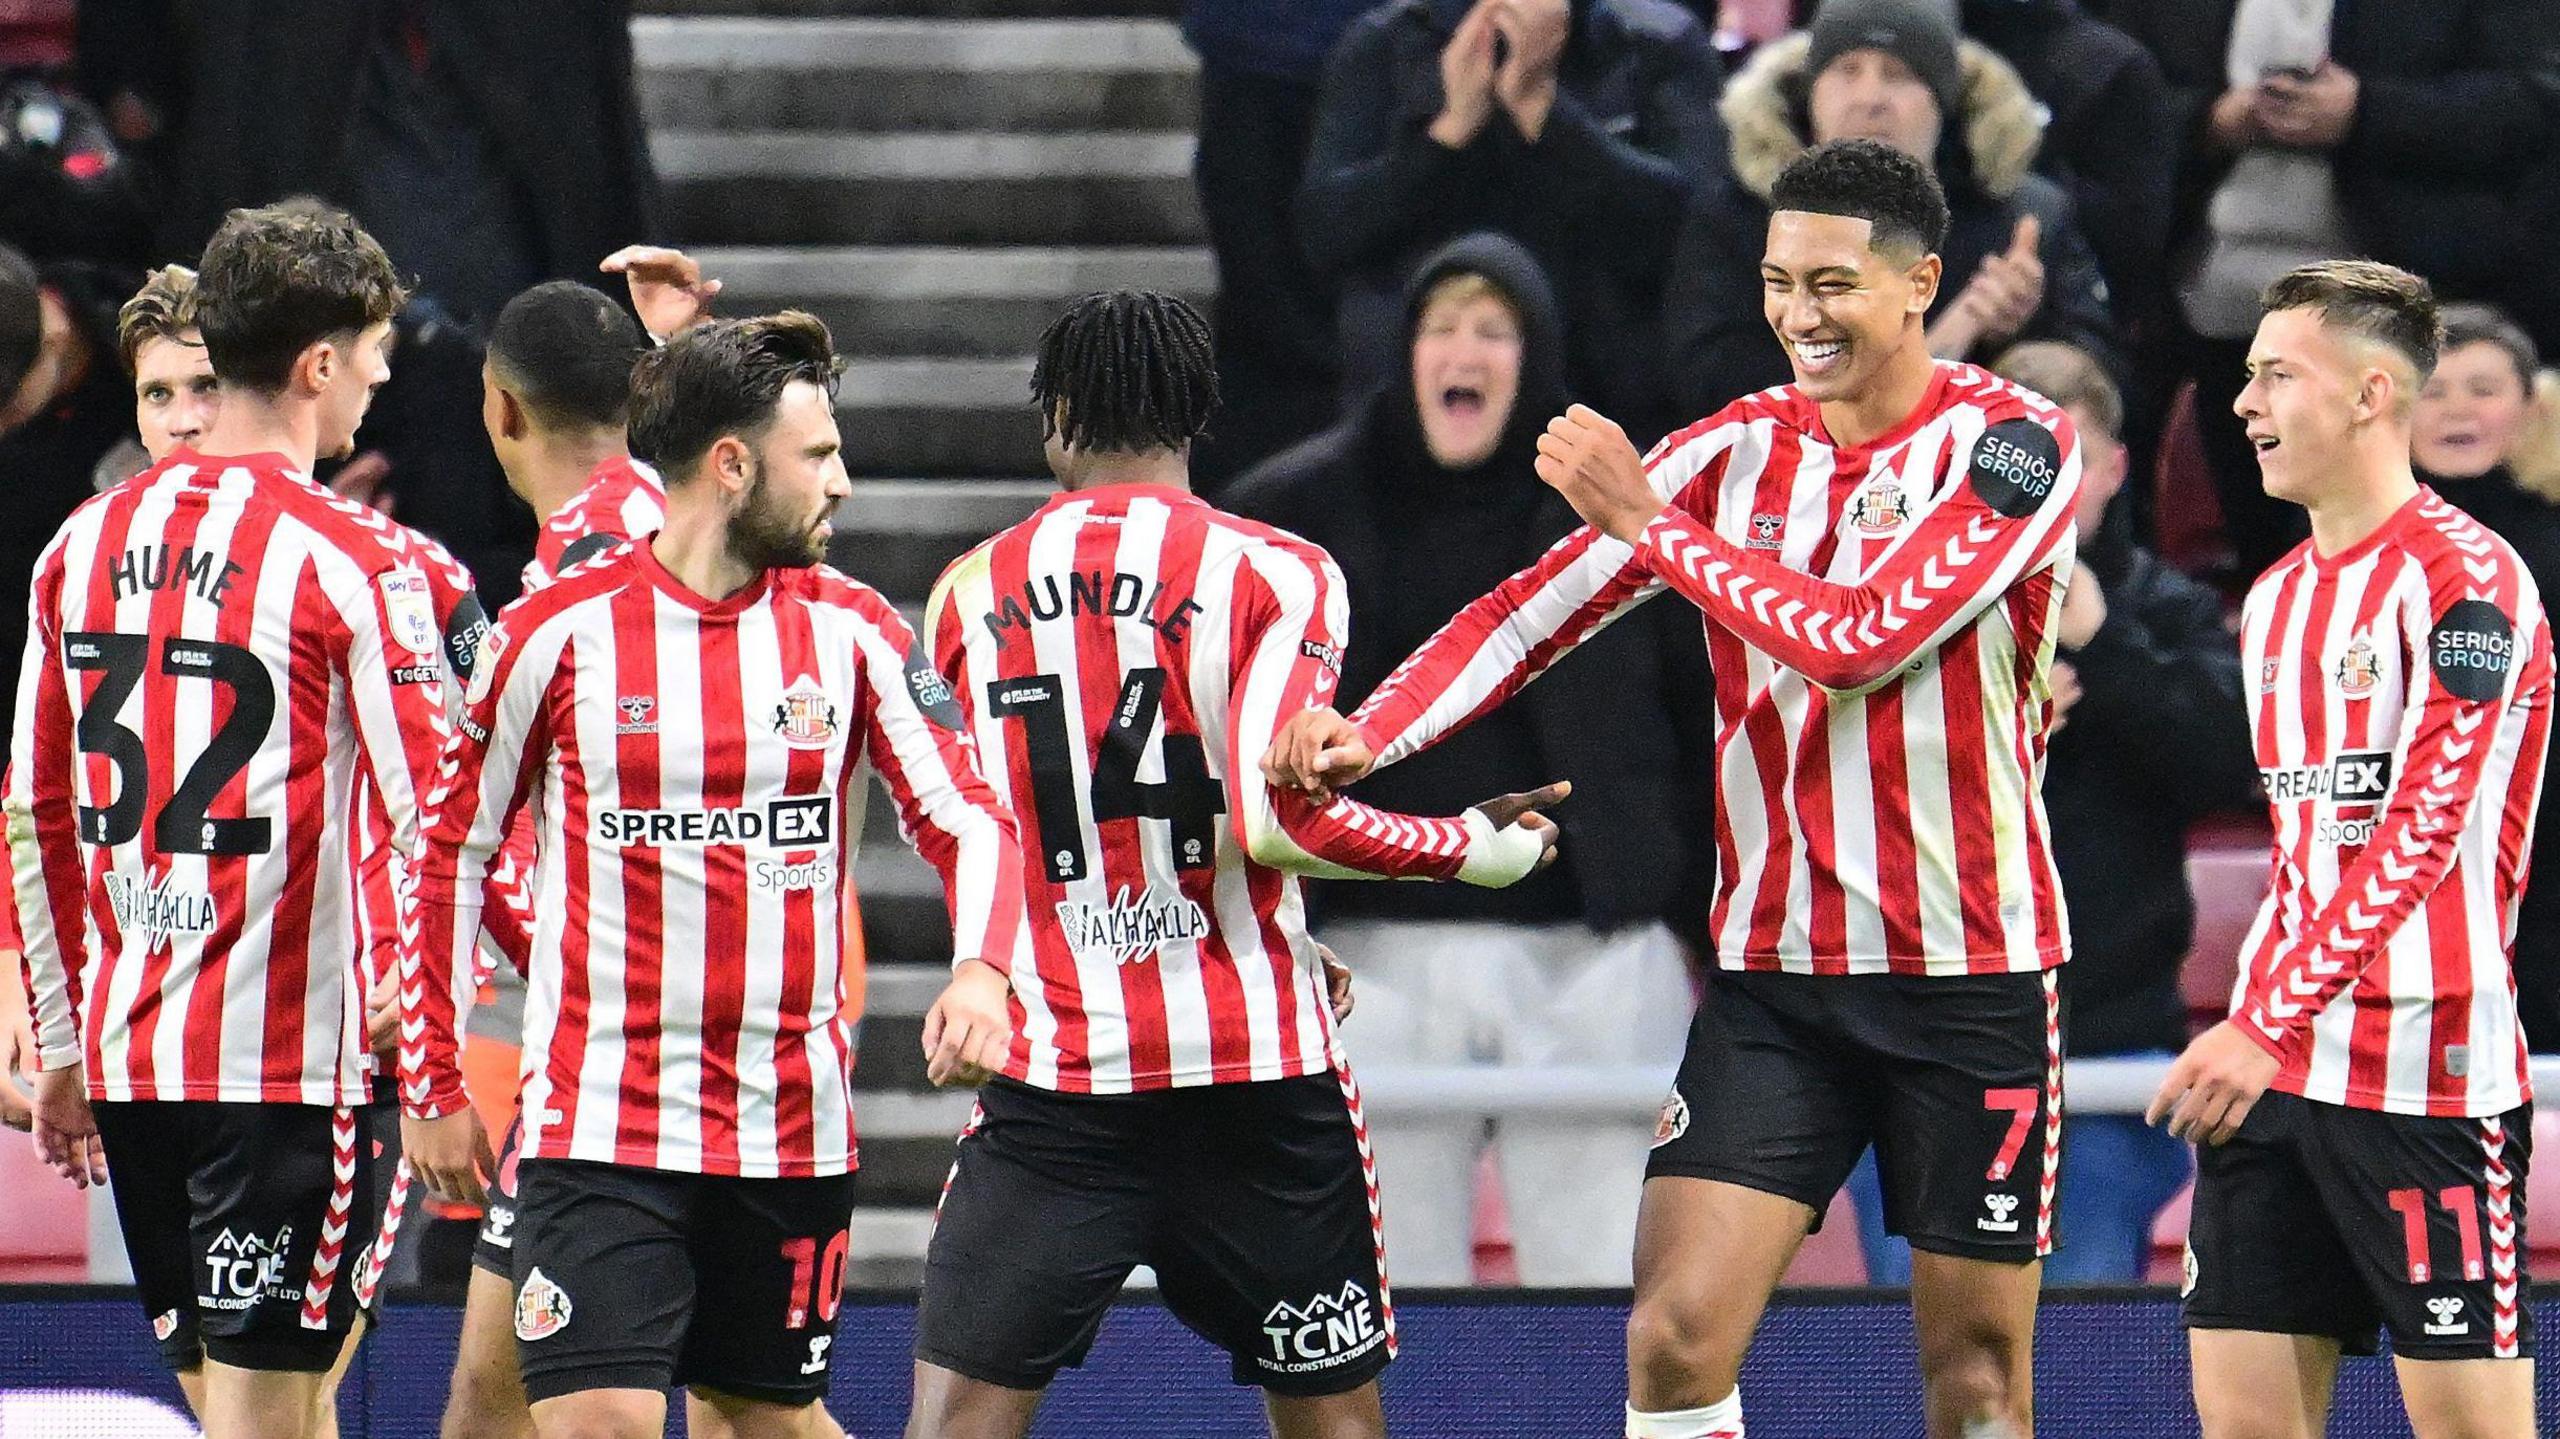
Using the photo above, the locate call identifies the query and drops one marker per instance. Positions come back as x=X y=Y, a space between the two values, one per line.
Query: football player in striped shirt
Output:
x=1168 y=1090
x=690 y=715
x=1880 y=550
x=230 y=669
x=2365 y=1115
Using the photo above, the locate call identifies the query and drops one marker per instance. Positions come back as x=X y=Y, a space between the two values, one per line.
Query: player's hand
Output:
x=1526 y=810
x=450 y=1155
x=2084 y=610
x=65 y=1129
x=1337 y=982
x=967 y=1033
x=1318 y=752
x=2212 y=1086
x=17 y=1048
x=1466 y=78
x=1534 y=34
x=1586 y=458
x=366 y=479
x=2064 y=686
x=382 y=1015
x=667 y=288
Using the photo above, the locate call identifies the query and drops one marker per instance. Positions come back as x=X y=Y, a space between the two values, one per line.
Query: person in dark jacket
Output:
x=2399 y=132
x=2475 y=417
x=1425 y=496
x=1277 y=368
x=2152 y=734
x=64 y=402
x=2110 y=106
x=1580 y=128
x=1895 y=71
x=506 y=134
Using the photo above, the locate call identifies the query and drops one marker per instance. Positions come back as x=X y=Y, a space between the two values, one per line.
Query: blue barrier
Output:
x=74 y=1363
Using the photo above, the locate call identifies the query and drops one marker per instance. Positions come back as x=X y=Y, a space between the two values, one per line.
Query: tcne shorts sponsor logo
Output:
x=1326 y=1331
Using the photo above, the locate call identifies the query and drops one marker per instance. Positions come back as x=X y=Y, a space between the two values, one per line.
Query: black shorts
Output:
x=1955 y=1079
x=494 y=1250
x=2324 y=1220
x=245 y=1224
x=632 y=1278
x=1253 y=1203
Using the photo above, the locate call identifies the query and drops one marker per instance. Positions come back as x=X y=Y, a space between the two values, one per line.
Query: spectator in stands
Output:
x=1426 y=497
x=1277 y=367
x=2396 y=131
x=489 y=143
x=1580 y=128
x=2109 y=107
x=2152 y=734
x=2477 y=425
x=63 y=403
x=1894 y=71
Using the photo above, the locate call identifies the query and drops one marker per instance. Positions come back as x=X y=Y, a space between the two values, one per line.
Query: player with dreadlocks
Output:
x=1165 y=1089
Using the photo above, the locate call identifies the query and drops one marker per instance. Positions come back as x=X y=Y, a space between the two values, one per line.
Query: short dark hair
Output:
x=1126 y=370
x=1871 y=181
x=723 y=377
x=276 y=281
x=2477 y=324
x=2378 y=301
x=163 y=309
x=567 y=349
x=21 y=319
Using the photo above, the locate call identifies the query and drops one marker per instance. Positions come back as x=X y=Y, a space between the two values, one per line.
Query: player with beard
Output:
x=689 y=715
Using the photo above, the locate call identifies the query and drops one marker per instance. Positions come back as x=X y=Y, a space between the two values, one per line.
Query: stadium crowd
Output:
x=1437 y=224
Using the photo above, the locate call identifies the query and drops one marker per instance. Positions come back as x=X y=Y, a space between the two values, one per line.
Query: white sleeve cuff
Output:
x=1496 y=858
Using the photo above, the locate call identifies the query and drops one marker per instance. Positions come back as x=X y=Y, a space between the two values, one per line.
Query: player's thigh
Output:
x=769 y=1258
x=1354 y=1414
x=1766 y=1097
x=2266 y=1254
x=1046 y=1212
x=2433 y=1213
x=487 y=1396
x=2468 y=1398
x=602 y=1414
x=1975 y=1314
x=1708 y=1256
x=279 y=1200
x=714 y=1414
x=604 y=1279
x=1968 y=1070
x=951 y=1405
x=1267 y=1243
x=151 y=1150
x=2255 y=1385
x=265 y=1403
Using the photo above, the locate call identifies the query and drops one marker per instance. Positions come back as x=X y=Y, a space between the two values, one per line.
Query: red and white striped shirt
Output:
x=1880 y=621
x=2403 y=698
x=1124 y=657
x=697 y=765
x=222 y=656
x=623 y=500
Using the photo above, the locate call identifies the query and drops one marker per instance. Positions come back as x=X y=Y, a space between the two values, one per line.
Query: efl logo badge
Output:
x=410 y=609
x=805 y=718
x=2359 y=669
x=1879 y=509
x=542 y=1308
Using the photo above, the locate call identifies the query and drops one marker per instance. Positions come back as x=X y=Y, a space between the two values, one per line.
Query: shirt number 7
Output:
x=2021 y=1104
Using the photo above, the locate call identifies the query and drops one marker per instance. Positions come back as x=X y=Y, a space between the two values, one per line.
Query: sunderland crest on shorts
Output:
x=542 y=1308
x=1673 y=1121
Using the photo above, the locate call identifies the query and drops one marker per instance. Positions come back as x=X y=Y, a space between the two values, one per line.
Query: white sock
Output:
x=1720 y=1420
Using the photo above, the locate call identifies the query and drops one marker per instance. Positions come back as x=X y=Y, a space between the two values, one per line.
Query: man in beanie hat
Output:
x=1895 y=71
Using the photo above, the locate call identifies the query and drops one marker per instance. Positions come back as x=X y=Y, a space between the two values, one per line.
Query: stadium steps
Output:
x=936 y=179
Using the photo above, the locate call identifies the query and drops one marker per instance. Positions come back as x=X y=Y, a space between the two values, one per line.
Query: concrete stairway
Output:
x=937 y=179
